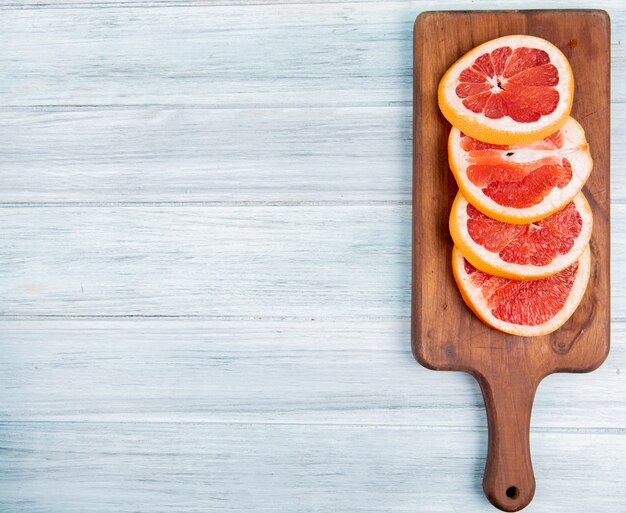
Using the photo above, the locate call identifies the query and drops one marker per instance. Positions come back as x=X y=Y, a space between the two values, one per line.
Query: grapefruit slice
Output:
x=510 y=90
x=521 y=251
x=524 y=308
x=520 y=184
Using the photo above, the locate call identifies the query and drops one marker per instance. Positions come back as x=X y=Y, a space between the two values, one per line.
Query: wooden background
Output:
x=205 y=271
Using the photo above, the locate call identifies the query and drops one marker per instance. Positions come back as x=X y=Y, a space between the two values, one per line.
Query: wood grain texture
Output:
x=150 y=142
x=170 y=155
x=300 y=261
x=215 y=468
x=508 y=368
x=194 y=370
x=209 y=155
x=215 y=261
x=288 y=55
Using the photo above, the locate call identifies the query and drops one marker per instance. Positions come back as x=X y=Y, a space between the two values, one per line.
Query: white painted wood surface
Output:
x=204 y=272
x=336 y=154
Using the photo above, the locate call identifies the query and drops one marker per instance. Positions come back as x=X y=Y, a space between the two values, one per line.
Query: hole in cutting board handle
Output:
x=512 y=492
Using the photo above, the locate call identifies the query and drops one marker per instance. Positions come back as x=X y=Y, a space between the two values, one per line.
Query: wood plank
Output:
x=300 y=261
x=289 y=55
x=128 y=468
x=217 y=261
x=189 y=370
x=263 y=155
x=424 y=4
x=267 y=155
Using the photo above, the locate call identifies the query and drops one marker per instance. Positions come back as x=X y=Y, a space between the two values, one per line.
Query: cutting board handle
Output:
x=509 y=481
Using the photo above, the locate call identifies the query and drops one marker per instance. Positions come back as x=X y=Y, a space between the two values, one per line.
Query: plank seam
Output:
x=234 y=318
x=209 y=204
x=234 y=106
x=263 y=318
x=413 y=427
x=193 y=106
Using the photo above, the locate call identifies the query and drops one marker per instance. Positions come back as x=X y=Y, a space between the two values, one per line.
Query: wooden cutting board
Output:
x=445 y=333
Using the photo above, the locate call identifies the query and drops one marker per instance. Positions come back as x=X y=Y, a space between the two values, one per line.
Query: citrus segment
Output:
x=524 y=308
x=511 y=90
x=529 y=92
x=521 y=251
x=521 y=183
